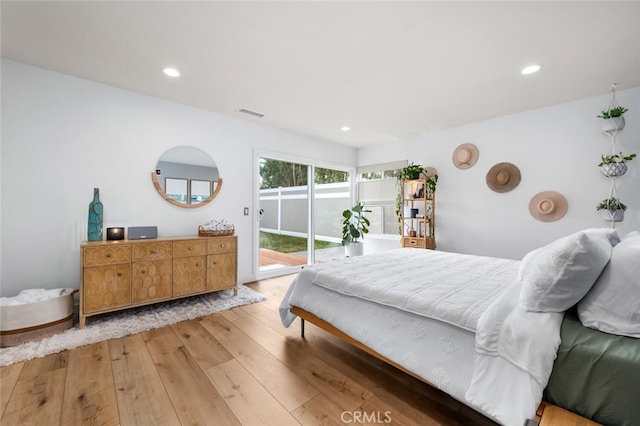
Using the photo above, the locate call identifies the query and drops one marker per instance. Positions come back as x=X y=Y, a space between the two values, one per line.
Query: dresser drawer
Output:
x=151 y=251
x=189 y=248
x=414 y=242
x=222 y=245
x=93 y=256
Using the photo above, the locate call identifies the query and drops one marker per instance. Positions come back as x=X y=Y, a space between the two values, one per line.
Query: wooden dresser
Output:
x=121 y=274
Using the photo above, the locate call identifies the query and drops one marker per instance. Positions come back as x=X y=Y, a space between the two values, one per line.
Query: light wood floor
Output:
x=235 y=367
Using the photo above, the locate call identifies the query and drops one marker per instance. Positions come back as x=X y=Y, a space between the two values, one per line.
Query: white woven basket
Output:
x=33 y=321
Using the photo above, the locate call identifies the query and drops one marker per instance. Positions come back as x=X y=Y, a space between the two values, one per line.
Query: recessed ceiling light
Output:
x=530 y=69
x=171 y=72
x=345 y=128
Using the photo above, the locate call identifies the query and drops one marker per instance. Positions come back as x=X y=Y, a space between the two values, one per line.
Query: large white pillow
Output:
x=555 y=277
x=613 y=304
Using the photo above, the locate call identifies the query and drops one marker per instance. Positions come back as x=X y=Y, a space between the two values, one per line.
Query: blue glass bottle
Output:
x=94 y=230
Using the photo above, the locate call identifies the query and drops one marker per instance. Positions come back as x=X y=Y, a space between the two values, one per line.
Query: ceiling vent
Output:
x=248 y=111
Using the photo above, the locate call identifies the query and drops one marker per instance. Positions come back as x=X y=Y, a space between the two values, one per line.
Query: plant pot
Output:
x=613 y=216
x=613 y=169
x=354 y=249
x=614 y=124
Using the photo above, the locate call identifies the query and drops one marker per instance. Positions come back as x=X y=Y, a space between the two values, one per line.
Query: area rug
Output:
x=130 y=321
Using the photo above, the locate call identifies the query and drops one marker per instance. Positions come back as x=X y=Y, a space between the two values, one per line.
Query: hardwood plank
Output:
x=141 y=395
x=8 y=378
x=231 y=314
x=320 y=411
x=206 y=350
x=340 y=389
x=249 y=400
x=43 y=365
x=37 y=400
x=193 y=396
x=89 y=398
x=272 y=321
x=284 y=384
x=378 y=411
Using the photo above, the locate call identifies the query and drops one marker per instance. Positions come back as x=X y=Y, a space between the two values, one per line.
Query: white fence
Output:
x=285 y=211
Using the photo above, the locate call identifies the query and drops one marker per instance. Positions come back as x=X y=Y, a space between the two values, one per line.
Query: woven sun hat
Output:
x=548 y=206
x=430 y=172
x=465 y=156
x=503 y=177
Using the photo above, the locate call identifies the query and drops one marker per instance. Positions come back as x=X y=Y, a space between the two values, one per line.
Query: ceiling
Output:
x=388 y=70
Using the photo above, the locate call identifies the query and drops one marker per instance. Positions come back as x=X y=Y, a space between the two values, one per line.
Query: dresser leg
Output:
x=235 y=291
x=82 y=321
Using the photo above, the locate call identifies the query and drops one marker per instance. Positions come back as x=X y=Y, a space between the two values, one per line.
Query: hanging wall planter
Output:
x=613 y=169
x=614 y=165
x=613 y=124
x=613 y=119
x=612 y=209
x=613 y=216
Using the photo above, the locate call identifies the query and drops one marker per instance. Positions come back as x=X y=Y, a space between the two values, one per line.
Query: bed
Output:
x=472 y=326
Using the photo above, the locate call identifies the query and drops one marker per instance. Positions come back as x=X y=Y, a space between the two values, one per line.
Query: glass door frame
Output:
x=311 y=204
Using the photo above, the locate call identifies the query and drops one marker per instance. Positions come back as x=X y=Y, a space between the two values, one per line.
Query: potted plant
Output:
x=354 y=226
x=612 y=209
x=410 y=172
x=613 y=119
x=614 y=165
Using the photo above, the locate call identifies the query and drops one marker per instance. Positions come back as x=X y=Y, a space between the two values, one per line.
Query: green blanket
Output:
x=596 y=375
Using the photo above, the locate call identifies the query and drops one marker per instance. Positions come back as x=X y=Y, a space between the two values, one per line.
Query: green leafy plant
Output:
x=412 y=171
x=354 y=223
x=611 y=204
x=613 y=112
x=615 y=158
x=432 y=182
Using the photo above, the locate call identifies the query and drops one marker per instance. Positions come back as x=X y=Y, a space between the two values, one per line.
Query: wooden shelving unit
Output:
x=418 y=214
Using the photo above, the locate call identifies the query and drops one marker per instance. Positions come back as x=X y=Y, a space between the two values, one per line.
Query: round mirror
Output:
x=187 y=177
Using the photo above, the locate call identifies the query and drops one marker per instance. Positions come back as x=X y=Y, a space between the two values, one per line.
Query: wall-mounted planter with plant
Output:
x=612 y=209
x=614 y=165
x=613 y=119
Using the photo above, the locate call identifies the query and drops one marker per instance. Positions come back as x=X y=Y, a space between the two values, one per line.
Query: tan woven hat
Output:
x=465 y=156
x=548 y=206
x=430 y=172
x=503 y=177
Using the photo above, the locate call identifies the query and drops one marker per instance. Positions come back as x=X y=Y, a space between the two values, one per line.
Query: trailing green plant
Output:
x=615 y=158
x=611 y=204
x=613 y=112
x=412 y=171
x=354 y=223
x=432 y=182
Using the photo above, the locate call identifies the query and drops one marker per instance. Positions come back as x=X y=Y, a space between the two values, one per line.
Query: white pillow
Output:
x=613 y=304
x=555 y=277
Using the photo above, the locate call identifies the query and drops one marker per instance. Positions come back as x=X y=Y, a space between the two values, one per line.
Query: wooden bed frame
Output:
x=546 y=415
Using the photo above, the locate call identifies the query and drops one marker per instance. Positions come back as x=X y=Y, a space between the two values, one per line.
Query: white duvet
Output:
x=515 y=349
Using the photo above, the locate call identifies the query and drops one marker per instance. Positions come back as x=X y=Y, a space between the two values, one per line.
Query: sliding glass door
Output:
x=299 y=214
x=283 y=216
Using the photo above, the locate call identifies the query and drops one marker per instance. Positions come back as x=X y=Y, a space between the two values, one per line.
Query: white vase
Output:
x=354 y=249
x=614 y=124
x=613 y=169
x=613 y=216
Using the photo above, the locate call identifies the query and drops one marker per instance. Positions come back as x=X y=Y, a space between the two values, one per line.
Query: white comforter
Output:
x=515 y=348
x=453 y=288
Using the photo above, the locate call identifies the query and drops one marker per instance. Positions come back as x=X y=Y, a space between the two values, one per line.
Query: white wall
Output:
x=556 y=148
x=63 y=136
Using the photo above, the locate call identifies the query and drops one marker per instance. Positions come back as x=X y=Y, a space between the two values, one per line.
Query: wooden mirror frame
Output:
x=154 y=178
